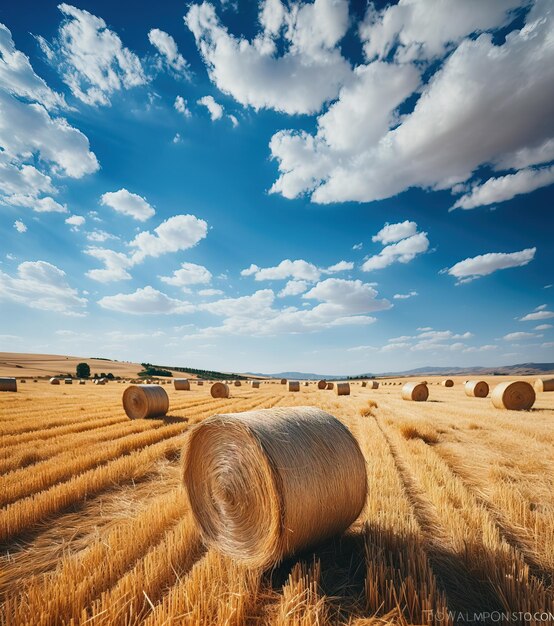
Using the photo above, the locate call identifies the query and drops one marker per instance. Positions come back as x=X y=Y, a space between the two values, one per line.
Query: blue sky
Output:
x=317 y=186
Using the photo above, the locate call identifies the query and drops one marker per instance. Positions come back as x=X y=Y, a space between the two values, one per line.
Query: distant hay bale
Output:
x=343 y=389
x=68 y=381
x=255 y=384
x=374 y=384
x=219 y=390
x=35 y=381
x=238 y=383
x=476 y=388
x=22 y=380
x=418 y=392
x=423 y=382
x=322 y=384
x=8 y=384
x=306 y=384
x=143 y=401
x=294 y=385
x=54 y=381
x=364 y=383
x=515 y=396
x=447 y=383
x=330 y=386
x=283 y=381
x=541 y=384
x=306 y=480
x=200 y=383
x=181 y=384
x=82 y=382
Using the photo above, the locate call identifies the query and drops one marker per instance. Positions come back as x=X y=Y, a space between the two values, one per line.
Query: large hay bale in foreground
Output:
x=181 y=384
x=541 y=384
x=143 y=401
x=8 y=383
x=219 y=390
x=330 y=386
x=294 y=385
x=305 y=473
x=447 y=383
x=515 y=396
x=54 y=381
x=476 y=388
x=343 y=389
x=418 y=392
x=322 y=384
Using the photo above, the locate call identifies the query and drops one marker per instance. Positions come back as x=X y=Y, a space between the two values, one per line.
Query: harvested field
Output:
x=95 y=529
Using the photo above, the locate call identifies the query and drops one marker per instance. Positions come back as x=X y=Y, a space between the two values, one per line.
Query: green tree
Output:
x=83 y=370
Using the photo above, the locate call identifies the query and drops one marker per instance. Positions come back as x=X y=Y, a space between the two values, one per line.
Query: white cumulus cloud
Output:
x=91 y=58
x=168 y=50
x=214 y=108
x=292 y=65
x=188 y=274
x=128 y=203
x=485 y=264
x=41 y=285
x=506 y=187
x=145 y=301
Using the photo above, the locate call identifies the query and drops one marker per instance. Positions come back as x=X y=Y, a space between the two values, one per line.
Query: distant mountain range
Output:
x=521 y=369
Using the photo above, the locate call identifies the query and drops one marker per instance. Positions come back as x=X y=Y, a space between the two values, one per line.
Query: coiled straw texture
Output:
x=181 y=384
x=219 y=390
x=294 y=385
x=515 y=396
x=476 y=388
x=322 y=384
x=8 y=384
x=266 y=484
x=415 y=391
x=544 y=384
x=448 y=383
x=143 y=401
x=343 y=389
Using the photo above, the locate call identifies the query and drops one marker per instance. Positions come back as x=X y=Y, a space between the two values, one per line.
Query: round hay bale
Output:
x=476 y=388
x=305 y=474
x=283 y=381
x=54 y=381
x=82 y=382
x=68 y=381
x=515 y=396
x=294 y=385
x=343 y=389
x=364 y=383
x=322 y=384
x=541 y=384
x=417 y=392
x=219 y=390
x=448 y=383
x=200 y=383
x=8 y=384
x=22 y=380
x=330 y=385
x=181 y=384
x=374 y=384
x=35 y=381
x=238 y=383
x=306 y=384
x=143 y=401
x=255 y=384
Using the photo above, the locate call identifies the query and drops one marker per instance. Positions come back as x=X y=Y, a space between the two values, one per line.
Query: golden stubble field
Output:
x=94 y=526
